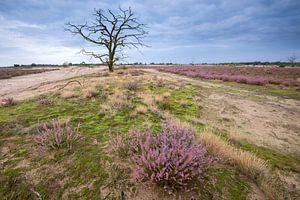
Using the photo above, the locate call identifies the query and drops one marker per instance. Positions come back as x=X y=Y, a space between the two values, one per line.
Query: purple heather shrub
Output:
x=256 y=81
x=8 y=101
x=57 y=134
x=46 y=102
x=132 y=85
x=171 y=159
x=251 y=75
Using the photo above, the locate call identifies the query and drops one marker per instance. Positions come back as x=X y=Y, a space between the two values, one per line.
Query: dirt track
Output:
x=23 y=87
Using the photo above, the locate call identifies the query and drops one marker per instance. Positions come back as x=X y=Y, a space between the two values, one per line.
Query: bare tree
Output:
x=113 y=31
x=291 y=59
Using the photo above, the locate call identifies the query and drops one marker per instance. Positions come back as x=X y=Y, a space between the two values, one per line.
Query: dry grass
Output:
x=118 y=99
x=166 y=95
x=158 y=99
x=184 y=103
x=68 y=94
x=141 y=109
x=249 y=164
x=235 y=137
x=90 y=92
x=146 y=98
x=107 y=109
x=115 y=101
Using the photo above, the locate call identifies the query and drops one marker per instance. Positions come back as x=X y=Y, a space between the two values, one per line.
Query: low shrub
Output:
x=119 y=146
x=56 y=135
x=136 y=73
x=69 y=94
x=90 y=93
x=8 y=101
x=46 y=102
x=141 y=109
x=132 y=85
x=171 y=159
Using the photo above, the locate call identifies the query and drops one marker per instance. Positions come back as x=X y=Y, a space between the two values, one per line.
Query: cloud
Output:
x=19 y=47
x=33 y=30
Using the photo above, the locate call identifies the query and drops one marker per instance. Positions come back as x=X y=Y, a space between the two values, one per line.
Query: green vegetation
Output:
x=226 y=184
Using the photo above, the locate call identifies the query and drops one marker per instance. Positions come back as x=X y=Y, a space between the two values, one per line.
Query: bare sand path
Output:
x=21 y=87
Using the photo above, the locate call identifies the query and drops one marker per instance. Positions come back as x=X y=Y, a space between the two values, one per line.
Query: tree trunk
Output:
x=111 y=62
x=110 y=66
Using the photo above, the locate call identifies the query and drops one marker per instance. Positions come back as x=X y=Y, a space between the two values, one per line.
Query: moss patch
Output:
x=224 y=183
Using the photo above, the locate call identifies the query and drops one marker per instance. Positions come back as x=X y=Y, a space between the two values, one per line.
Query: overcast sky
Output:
x=181 y=31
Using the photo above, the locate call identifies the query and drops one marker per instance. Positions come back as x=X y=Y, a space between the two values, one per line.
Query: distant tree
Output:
x=65 y=64
x=113 y=31
x=291 y=59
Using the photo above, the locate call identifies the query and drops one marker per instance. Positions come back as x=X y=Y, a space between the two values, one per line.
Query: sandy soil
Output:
x=23 y=87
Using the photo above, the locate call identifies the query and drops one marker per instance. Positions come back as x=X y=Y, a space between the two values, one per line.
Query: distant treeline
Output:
x=277 y=63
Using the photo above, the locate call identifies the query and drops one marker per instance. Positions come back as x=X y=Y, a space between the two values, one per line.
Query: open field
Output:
x=251 y=130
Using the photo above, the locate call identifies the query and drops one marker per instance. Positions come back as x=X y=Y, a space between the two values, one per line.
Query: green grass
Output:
x=225 y=183
x=13 y=185
x=181 y=103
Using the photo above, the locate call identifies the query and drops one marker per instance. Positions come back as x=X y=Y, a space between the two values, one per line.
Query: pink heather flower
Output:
x=57 y=134
x=171 y=159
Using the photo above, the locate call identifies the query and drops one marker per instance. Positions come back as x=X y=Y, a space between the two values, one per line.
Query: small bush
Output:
x=136 y=73
x=171 y=159
x=119 y=145
x=69 y=94
x=141 y=109
x=56 y=135
x=132 y=85
x=46 y=102
x=8 y=101
x=90 y=93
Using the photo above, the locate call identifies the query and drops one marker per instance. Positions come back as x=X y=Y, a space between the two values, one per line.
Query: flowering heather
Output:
x=57 y=134
x=132 y=85
x=46 y=102
x=247 y=75
x=8 y=101
x=171 y=159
